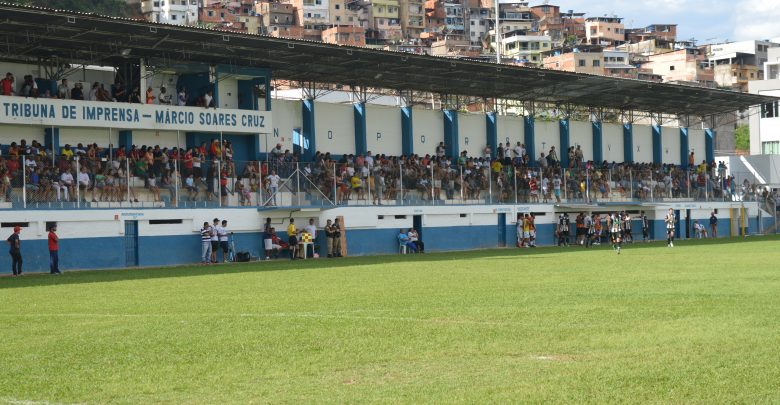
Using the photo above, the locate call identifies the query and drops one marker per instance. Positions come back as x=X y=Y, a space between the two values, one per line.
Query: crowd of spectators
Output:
x=208 y=172
x=97 y=91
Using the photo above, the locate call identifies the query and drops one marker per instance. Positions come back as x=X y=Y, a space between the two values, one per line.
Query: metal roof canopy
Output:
x=28 y=32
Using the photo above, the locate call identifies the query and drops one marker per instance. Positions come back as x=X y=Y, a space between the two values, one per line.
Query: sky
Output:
x=708 y=21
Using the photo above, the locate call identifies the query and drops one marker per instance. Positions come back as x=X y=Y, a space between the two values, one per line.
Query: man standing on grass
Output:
x=713 y=225
x=205 y=243
x=292 y=239
x=617 y=227
x=670 y=228
x=54 y=248
x=645 y=226
x=223 y=240
x=16 y=252
x=214 y=240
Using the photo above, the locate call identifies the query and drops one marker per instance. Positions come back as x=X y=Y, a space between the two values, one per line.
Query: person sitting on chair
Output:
x=403 y=240
x=414 y=237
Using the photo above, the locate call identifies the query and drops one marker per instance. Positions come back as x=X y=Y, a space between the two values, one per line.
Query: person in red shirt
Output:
x=54 y=249
x=7 y=85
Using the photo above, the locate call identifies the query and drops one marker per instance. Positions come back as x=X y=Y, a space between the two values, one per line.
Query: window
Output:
x=164 y=221
x=770 y=148
x=173 y=17
x=338 y=18
x=338 y=6
x=596 y=63
x=671 y=68
x=581 y=62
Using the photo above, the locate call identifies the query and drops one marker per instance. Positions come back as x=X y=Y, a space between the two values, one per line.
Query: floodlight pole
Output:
x=498 y=50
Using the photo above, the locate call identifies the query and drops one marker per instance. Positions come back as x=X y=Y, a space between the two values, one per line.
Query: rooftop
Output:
x=31 y=34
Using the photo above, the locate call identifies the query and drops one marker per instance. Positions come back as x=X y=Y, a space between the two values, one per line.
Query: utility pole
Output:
x=495 y=31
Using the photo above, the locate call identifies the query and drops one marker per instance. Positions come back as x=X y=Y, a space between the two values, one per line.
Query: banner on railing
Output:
x=76 y=113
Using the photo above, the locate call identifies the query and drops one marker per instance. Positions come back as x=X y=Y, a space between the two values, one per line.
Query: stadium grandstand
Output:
x=129 y=135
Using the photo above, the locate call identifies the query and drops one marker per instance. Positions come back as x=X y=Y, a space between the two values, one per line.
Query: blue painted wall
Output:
x=451 y=133
x=657 y=145
x=51 y=139
x=308 y=129
x=628 y=142
x=684 y=147
x=407 y=131
x=491 y=131
x=359 y=110
x=528 y=138
x=598 y=142
x=709 y=144
x=563 y=127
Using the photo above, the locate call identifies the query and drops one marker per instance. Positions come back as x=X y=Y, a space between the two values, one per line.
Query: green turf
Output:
x=697 y=323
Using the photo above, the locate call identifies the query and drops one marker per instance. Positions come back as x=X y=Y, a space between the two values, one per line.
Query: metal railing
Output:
x=156 y=180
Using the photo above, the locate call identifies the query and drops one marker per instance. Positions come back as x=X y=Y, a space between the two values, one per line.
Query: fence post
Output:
x=24 y=181
x=127 y=179
x=176 y=180
x=218 y=178
x=401 y=180
x=78 y=186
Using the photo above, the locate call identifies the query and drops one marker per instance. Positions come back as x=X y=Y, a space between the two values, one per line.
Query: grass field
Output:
x=697 y=323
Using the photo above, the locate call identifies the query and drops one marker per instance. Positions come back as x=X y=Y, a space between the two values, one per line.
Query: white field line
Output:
x=291 y=315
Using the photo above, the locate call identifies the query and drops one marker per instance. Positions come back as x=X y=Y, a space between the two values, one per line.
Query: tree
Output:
x=115 y=8
x=742 y=137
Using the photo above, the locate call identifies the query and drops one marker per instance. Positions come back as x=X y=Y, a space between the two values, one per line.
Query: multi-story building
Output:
x=659 y=32
x=312 y=14
x=342 y=14
x=608 y=31
x=380 y=19
x=592 y=60
x=765 y=120
x=412 y=16
x=275 y=16
x=736 y=63
x=563 y=28
x=238 y=16
x=345 y=35
x=480 y=21
x=514 y=16
x=454 y=22
x=523 y=48
x=685 y=65
x=434 y=20
x=177 y=12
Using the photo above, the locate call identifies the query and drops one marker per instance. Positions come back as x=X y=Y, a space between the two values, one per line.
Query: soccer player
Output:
x=563 y=230
x=597 y=228
x=670 y=228
x=532 y=230
x=526 y=231
x=645 y=226
x=590 y=230
x=616 y=230
x=626 y=223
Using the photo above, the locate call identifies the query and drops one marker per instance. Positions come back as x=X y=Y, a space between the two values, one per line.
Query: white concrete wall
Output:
x=287 y=117
x=643 y=144
x=74 y=136
x=697 y=143
x=581 y=133
x=612 y=142
x=162 y=138
x=511 y=129
x=546 y=135
x=228 y=93
x=15 y=133
x=471 y=133
x=335 y=128
x=428 y=129
x=670 y=145
x=383 y=130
